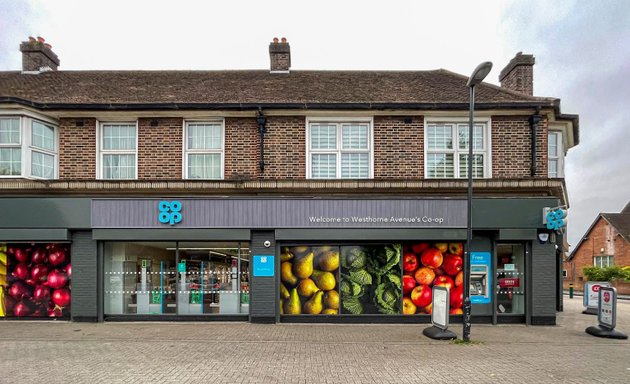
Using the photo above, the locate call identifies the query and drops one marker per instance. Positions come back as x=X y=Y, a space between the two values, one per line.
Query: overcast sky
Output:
x=582 y=51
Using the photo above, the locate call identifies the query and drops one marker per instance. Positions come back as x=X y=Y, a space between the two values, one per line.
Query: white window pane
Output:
x=440 y=165
x=324 y=166
x=355 y=166
x=440 y=136
x=9 y=131
x=119 y=166
x=477 y=166
x=119 y=136
x=43 y=136
x=354 y=136
x=323 y=136
x=553 y=168
x=10 y=161
x=204 y=136
x=43 y=165
x=204 y=166
x=477 y=136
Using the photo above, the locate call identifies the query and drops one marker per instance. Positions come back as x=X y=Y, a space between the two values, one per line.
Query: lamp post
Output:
x=477 y=77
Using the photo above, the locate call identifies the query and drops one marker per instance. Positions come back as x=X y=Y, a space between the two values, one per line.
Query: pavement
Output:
x=222 y=352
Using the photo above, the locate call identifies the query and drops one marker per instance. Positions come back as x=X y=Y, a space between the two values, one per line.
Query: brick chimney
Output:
x=518 y=75
x=280 y=55
x=37 y=56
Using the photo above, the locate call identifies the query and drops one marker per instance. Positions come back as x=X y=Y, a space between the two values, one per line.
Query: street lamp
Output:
x=477 y=77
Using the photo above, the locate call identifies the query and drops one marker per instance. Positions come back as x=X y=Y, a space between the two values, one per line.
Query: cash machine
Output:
x=480 y=277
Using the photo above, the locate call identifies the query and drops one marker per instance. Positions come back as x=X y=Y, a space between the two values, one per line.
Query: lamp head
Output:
x=479 y=74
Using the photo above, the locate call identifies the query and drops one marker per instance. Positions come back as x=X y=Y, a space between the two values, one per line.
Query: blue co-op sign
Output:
x=170 y=212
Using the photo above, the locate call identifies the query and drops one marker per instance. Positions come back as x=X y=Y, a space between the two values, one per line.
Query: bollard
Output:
x=570 y=290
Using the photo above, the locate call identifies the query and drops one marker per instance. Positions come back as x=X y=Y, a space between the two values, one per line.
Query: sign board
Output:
x=480 y=277
x=591 y=293
x=181 y=267
x=264 y=265
x=607 y=315
x=440 y=308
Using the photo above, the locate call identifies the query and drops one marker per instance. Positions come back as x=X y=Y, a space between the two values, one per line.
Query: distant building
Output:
x=605 y=243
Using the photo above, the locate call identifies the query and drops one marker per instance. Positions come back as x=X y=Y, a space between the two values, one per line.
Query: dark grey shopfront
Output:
x=95 y=228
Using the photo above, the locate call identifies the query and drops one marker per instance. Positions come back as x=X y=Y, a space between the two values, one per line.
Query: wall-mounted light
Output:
x=543 y=237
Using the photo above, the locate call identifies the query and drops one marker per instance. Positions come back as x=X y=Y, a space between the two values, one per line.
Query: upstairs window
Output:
x=555 y=155
x=603 y=261
x=339 y=150
x=446 y=147
x=28 y=148
x=203 y=149
x=118 y=151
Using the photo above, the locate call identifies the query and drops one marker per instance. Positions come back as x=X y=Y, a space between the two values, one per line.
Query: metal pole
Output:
x=467 y=305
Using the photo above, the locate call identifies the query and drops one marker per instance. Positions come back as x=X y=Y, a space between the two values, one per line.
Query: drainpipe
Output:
x=533 y=124
x=262 y=129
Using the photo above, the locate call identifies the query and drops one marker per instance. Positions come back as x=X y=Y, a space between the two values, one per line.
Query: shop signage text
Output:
x=368 y=219
x=170 y=212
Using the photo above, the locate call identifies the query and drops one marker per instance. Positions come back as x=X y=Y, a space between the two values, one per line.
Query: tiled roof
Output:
x=70 y=88
x=621 y=223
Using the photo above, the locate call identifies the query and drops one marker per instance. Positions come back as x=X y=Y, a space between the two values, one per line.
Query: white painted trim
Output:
x=100 y=152
x=561 y=151
x=339 y=120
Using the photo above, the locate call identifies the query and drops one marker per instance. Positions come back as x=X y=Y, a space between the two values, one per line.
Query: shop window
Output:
x=154 y=278
x=203 y=155
x=339 y=150
x=28 y=148
x=603 y=261
x=35 y=280
x=446 y=148
x=510 y=277
x=358 y=279
x=118 y=154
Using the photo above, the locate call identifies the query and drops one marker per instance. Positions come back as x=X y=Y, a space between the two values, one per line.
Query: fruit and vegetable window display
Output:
x=384 y=279
x=35 y=279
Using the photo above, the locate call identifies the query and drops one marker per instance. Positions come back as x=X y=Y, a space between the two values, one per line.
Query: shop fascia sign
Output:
x=170 y=212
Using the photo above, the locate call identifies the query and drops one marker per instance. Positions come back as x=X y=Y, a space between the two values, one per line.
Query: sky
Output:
x=582 y=51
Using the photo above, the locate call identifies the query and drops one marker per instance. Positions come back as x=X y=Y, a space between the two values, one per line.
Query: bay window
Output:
x=118 y=151
x=203 y=150
x=339 y=149
x=28 y=148
x=446 y=149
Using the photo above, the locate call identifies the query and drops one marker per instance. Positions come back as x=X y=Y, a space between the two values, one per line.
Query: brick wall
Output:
x=511 y=147
x=398 y=147
x=77 y=149
x=285 y=148
x=242 y=148
x=160 y=149
x=520 y=79
x=602 y=235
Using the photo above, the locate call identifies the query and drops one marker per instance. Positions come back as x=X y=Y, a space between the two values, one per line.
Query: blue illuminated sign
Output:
x=480 y=277
x=170 y=212
x=264 y=265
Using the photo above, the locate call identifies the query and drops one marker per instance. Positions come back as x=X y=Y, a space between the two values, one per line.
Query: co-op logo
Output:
x=170 y=212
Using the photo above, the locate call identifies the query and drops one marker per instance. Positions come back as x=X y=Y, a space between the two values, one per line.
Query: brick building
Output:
x=606 y=243
x=273 y=195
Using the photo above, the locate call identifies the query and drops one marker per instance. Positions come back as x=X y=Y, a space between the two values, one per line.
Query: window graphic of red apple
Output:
x=408 y=284
x=456 y=249
x=421 y=295
x=410 y=262
x=409 y=308
x=428 y=309
x=432 y=258
x=457 y=297
x=425 y=276
x=459 y=279
x=419 y=248
x=442 y=247
x=444 y=281
x=456 y=311
x=452 y=264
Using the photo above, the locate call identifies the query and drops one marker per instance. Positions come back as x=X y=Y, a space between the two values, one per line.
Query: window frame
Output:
x=560 y=157
x=26 y=147
x=486 y=123
x=338 y=151
x=102 y=152
x=186 y=151
x=598 y=261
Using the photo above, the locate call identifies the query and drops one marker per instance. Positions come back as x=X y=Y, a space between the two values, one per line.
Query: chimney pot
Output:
x=284 y=39
x=275 y=39
x=31 y=39
x=40 y=39
x=518 y=74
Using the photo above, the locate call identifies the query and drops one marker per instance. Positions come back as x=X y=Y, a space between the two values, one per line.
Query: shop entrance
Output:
x=176 y=278
x=510 y=281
